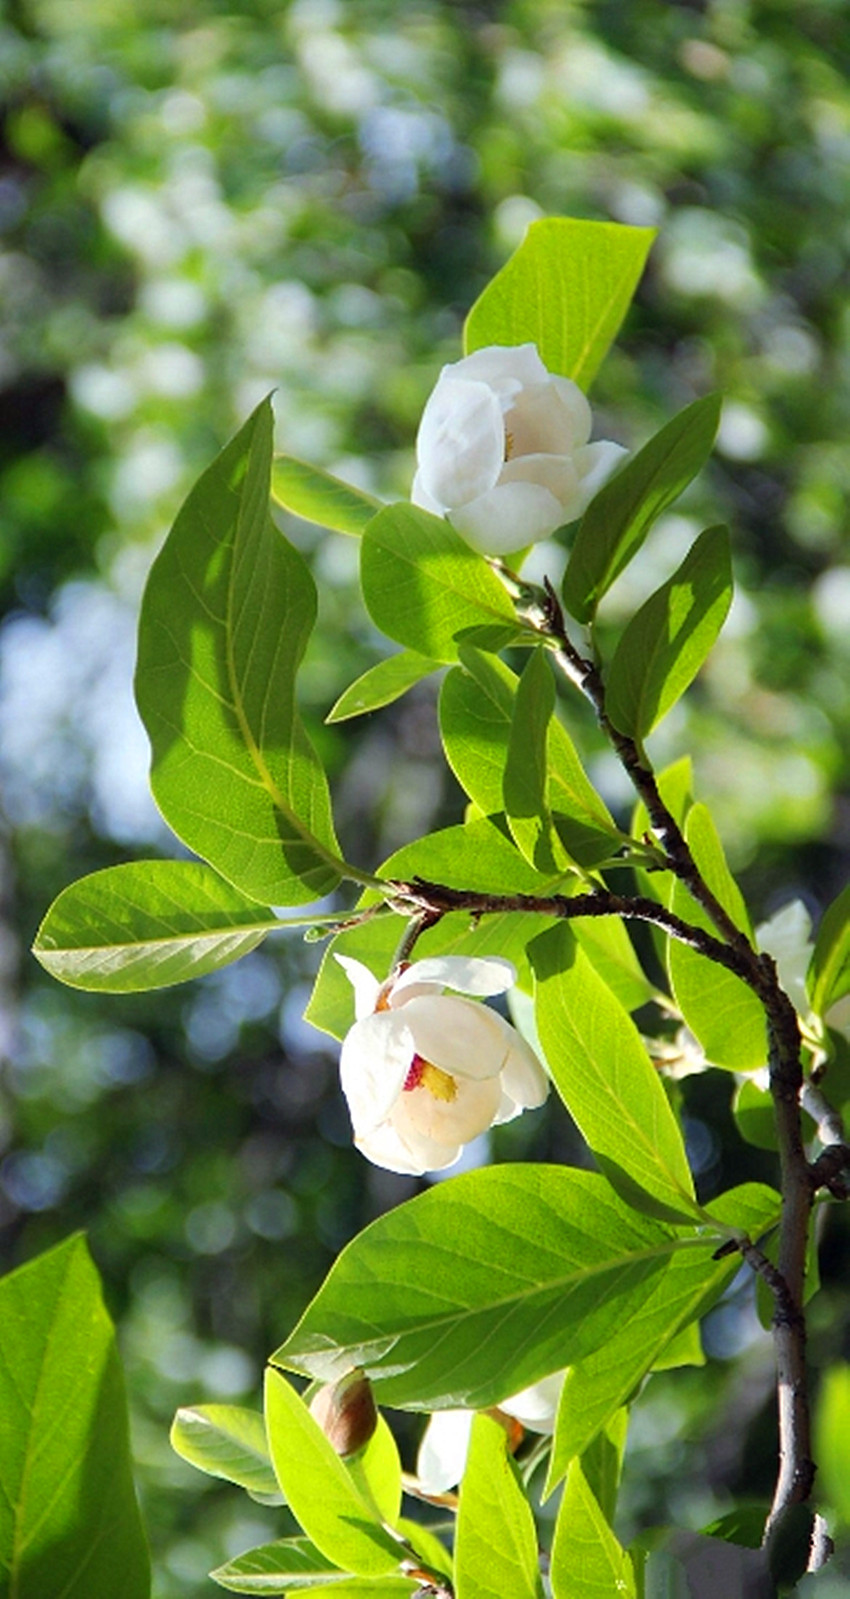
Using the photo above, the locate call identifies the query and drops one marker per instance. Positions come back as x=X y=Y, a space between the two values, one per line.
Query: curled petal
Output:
x=537 y=1406
x=595 y=463
x=419 y=496
x=386 y=1147
x=506 y=368
x=472 y=974
x=539 y=423
x=366 y=987
x=376 y=1056
x=523 y=1079
x=461 y=442
x=787 y=937
x=553 y=472
x=576 y=404
x=508 y=517
x=462 y=1038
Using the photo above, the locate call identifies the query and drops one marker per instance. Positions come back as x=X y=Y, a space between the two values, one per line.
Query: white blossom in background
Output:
x=442 y=1454
x=424 y=1072
x=503 y=450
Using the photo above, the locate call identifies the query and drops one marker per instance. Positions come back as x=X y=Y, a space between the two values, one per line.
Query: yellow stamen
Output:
x=438 y=1083
x=509 y=445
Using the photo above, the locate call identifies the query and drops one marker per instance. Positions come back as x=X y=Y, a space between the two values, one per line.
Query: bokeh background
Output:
x=199 y=203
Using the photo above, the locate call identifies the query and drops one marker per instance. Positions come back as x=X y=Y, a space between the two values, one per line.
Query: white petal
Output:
x=538 y=422
x=418 y=1115
x=385 y=1147
x=460 y=445
x=377 y=1054
x=457 y=1035
x=787 y=938
x=576 y=404
x=366 y=987
x=419 y=496
x=537 y=1406
x=523 y=1078
x=508 y=517
x=469 y=974
x=506 y=368
x=442 y=1453
x=595 y=463
x=553 y=472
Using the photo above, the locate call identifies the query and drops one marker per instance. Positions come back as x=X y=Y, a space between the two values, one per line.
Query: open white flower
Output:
x=442 y=1454
x=423 y=1071
x=503 y=451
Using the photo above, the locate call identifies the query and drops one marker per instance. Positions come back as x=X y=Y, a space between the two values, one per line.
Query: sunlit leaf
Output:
x=294 y=1565
x=829 y=970
x=147 y=924
x=382 y=684
x=226 y=616
x=525 y=781
x=318 y=497
x=69 y=1522
x=617 y=521
x=606 y=1079
x=566 y=289
x=423 y=585
x=587 y=1560
x=227 y=1441
x=666 y=642
x=496 y=1539
x=479 y=1287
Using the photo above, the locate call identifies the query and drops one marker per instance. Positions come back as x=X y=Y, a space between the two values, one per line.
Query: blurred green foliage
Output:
x=202 y=203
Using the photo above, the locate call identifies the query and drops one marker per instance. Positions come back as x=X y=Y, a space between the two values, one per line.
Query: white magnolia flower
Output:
x=424 y=1072
x=442 y=1454
x=503 y=451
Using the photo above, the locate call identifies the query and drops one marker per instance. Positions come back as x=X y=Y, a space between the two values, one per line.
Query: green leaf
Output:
x=425 y=1543
x=587 y=1560
x=602 y=1462
x=666 y=642
x=496 y=1539
x=477 y=706
x=376 y=1471
x=744 y=1525
x=319 y=1489
x=318 y=497
x=525 y=780
x=382 y=684
x=618 y=519
x=294 y=1565
x=828 y=978
x=477 y=1288
x=227 y=1441
x=69 y=1522
x=832 y=1429
x=147 y=924
x=423 y=584
x=606 y=1079
x=566 y=289
x=721 y=1011
x=596 y=1386
x=226 y=616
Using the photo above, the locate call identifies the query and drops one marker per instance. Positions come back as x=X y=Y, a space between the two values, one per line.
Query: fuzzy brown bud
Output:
x=346 y=1412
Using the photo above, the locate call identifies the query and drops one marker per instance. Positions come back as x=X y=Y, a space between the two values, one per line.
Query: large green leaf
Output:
x=606 y=1079
x=828 y=977
x=294 y=1565
x=566 y=289
x=318 y=497
x=666 y=642
x=338 y=1518
x=383 y=683
x=596 y=1386
x=227 y=1441
x=587 y=1560
x=147 y=924
x=496 y=1539
x=525 y=782
x=718 y=1007
x=477 y=714
x=617 y=521
x=423 y=585
x=69 y=1523
x=226 y=616
x=481 y=1286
